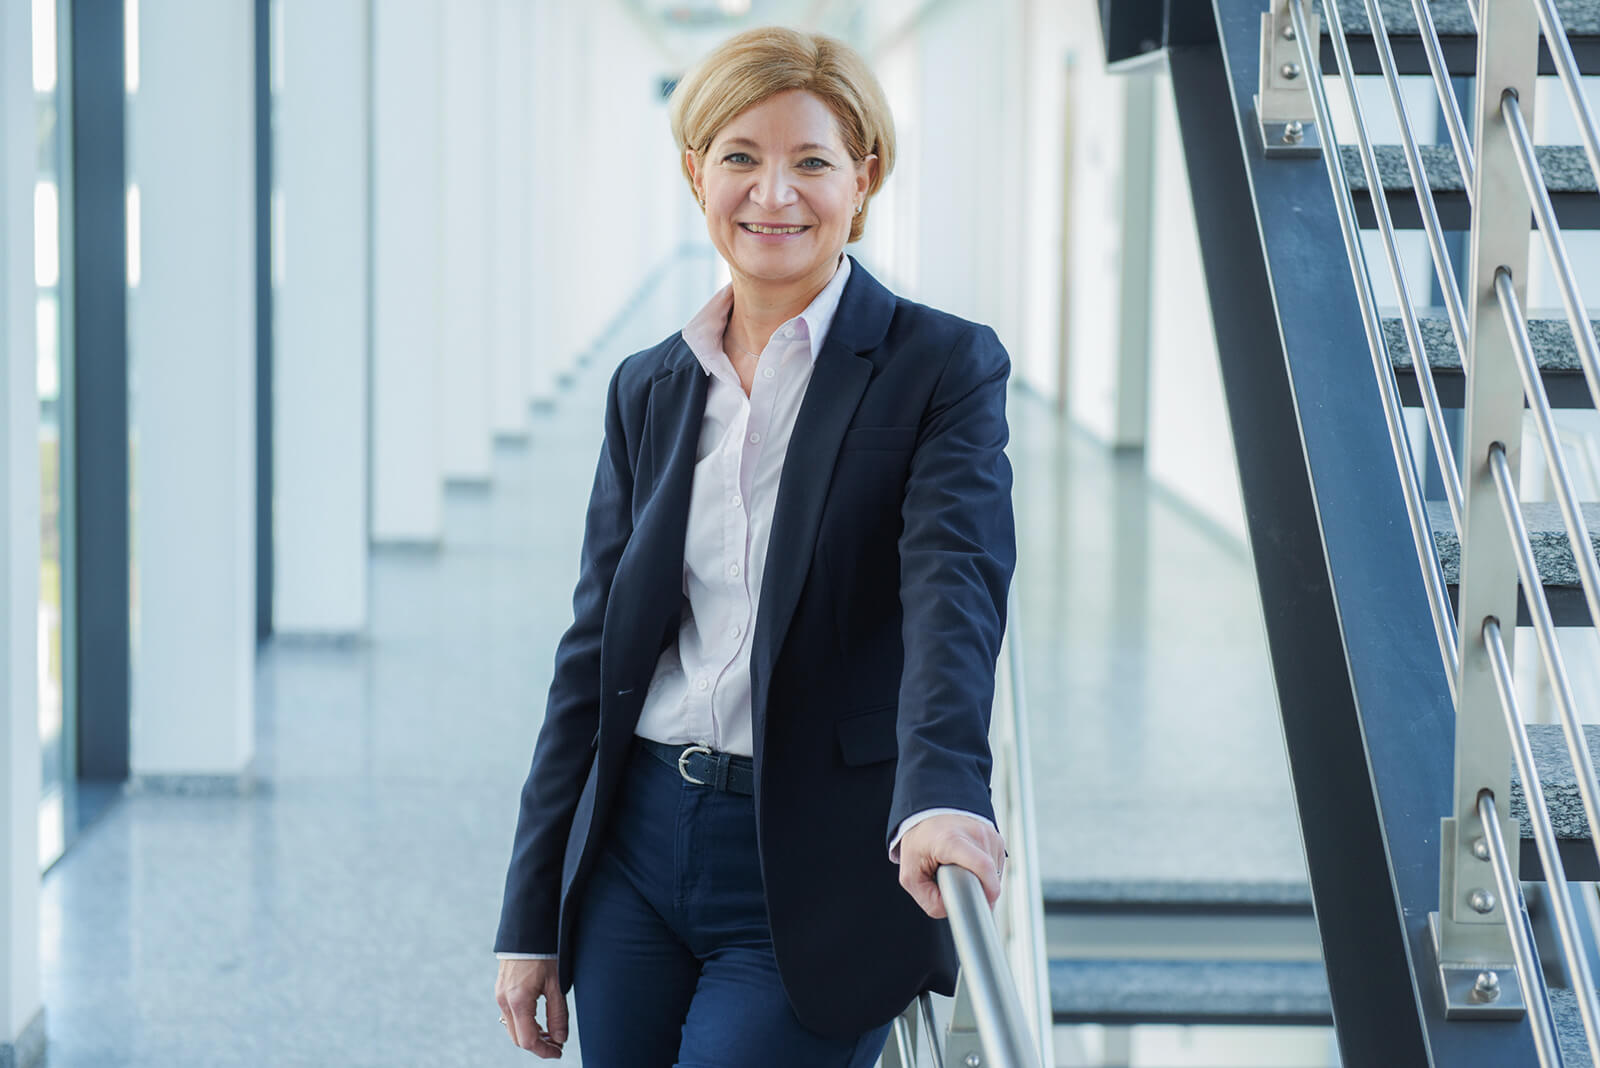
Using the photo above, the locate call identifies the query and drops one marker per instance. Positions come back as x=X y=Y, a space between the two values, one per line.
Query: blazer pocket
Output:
x=879 y=438
x=869 y=737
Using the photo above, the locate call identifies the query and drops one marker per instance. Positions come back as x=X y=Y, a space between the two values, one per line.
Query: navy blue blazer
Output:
x=872 y=672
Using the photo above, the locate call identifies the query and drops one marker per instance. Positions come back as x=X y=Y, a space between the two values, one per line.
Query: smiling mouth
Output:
x=757 y=228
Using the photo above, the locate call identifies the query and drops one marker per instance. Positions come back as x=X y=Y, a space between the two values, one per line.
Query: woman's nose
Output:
x=773 y=189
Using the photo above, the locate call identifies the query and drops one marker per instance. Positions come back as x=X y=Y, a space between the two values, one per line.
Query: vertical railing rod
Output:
x=1575 y=959
x=1454 y=122
x=1555 y=37
x=1544 y=1039
x=931 y=1027
x=1399 y=440
x=1033 y=903
x=1432 y=409
x=1544 y=214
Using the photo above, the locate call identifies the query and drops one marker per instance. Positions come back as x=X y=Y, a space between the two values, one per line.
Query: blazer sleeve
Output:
x=957 y=554
x=563 y=753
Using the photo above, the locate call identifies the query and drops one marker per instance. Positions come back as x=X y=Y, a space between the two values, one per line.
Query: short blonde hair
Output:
x=751 y=66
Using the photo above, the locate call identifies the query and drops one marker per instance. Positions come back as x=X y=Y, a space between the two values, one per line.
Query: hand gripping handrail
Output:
x=1002 y=1027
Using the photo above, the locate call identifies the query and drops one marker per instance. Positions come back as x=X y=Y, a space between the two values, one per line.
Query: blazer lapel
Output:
x=655 y=576
x=837 y=383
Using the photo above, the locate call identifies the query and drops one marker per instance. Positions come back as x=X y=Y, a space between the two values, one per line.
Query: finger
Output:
x=544 y=1044
x=555 y=1011
x=508 y=1017
x=968 y=855
x=525 y=1029
x=923 y=890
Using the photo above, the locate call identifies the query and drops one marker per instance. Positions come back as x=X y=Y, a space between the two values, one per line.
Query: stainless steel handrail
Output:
x=1434 y=411
x=1544 y=214
x=1555 y=35
x=1574 y=958
x=1544 y=1038
x=1416 y=513
x=1002 y=1026
x=1454 y=122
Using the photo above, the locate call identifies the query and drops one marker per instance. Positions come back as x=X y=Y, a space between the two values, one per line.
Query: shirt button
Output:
x=702 y=684
x=788 y=331
x=735 y=501
x=768 y=373
x=733 y=569
x=755 y=437
x=734 y=632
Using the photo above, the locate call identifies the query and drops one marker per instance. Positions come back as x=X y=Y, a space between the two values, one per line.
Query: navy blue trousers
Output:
x=673 y=962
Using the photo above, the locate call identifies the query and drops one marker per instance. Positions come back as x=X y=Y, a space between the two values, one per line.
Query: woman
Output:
x=776 y=686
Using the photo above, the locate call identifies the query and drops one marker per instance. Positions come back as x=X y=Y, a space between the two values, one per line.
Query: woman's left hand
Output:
x=965 y=841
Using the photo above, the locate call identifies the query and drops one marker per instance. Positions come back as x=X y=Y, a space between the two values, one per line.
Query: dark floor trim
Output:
x=101 y=608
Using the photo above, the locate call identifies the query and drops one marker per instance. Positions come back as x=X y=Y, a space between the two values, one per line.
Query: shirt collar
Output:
x=703 y=334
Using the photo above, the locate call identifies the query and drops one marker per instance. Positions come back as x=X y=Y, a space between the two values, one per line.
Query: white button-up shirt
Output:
x=700 y=693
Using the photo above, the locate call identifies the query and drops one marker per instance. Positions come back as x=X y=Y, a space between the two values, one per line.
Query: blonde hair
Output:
x=751 y=66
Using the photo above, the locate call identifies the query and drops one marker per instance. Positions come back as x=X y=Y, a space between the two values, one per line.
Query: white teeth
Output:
x=773 y=229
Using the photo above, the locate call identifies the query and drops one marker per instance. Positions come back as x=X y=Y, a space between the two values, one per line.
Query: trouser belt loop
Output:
x=721 y=779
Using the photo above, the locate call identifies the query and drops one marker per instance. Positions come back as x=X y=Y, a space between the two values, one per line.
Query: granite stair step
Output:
x=1566 y=174
x=1457 y=38
x=1561 y=797
x=1127 y=992
x=1552 y=551
x=1553 y=347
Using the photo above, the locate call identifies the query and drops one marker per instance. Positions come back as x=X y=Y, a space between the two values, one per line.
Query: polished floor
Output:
x=343 y=913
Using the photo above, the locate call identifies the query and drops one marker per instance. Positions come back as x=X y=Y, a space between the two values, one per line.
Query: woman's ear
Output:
x=691 y=163
x=866 y=173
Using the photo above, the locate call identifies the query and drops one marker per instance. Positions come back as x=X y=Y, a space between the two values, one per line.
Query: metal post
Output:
x=1470 y=928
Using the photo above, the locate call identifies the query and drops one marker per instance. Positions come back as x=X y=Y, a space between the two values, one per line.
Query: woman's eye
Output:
x=736 y=157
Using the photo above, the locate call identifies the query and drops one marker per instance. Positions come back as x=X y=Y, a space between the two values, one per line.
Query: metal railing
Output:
x=991 y=1025
x=1486 y=963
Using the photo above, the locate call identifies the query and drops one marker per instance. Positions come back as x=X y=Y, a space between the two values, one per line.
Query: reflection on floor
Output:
x=343 y=913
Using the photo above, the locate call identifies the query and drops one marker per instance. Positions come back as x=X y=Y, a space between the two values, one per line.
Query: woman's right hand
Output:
x=518 y=989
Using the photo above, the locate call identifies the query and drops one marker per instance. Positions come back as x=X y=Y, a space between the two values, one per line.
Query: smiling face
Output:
x=780 y=190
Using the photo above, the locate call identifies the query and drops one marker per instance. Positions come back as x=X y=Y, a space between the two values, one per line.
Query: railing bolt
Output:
x=1293 y=133
x=1487 y=988
x=1480 y=848
x=1481 y=901
x=1290 y=71
x=1288 y=31
x=973 y=1060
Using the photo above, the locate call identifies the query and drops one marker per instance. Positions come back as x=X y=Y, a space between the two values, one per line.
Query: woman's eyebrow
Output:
x=745 y=142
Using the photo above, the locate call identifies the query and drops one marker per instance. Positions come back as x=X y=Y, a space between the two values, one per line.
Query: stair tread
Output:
x=1131 y=895
x=1553 y=344
x=1569 y=1029
x=1564 y=167
x=1558 y=779
x=1552 y=551
x=1450 y=17
x=1189 y=991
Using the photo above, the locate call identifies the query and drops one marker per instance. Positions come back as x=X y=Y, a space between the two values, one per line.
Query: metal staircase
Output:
x=1391 y=580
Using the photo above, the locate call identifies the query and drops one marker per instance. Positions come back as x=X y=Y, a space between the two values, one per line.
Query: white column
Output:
x=407 y=498
x=191 y=148
x=21 y=1019
x=538 y=186
x=508 y=397
x=320 y=362
x=464 y=363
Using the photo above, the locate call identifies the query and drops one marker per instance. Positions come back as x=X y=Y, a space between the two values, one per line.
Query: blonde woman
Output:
x=768 y=723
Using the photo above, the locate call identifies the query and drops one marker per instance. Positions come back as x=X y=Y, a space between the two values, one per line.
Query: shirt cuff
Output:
x=928 y=813
x=526 y=956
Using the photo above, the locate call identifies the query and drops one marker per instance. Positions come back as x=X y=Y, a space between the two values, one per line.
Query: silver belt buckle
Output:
x=682 y=760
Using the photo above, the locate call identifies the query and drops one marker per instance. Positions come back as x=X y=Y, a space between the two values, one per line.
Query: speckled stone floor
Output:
x=343 y=914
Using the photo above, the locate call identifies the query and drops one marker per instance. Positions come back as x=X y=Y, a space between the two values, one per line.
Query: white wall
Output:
x=508 y=398
x=19 y=541
x=320 y=438
x=1190 y=447
x=192 y=345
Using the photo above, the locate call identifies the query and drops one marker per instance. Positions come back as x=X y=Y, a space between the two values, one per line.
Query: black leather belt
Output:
x=703 y=766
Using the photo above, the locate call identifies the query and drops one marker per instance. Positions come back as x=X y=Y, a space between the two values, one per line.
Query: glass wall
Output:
x=55 y=698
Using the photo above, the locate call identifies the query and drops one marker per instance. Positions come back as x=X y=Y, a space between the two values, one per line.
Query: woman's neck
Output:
x=759 y=308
